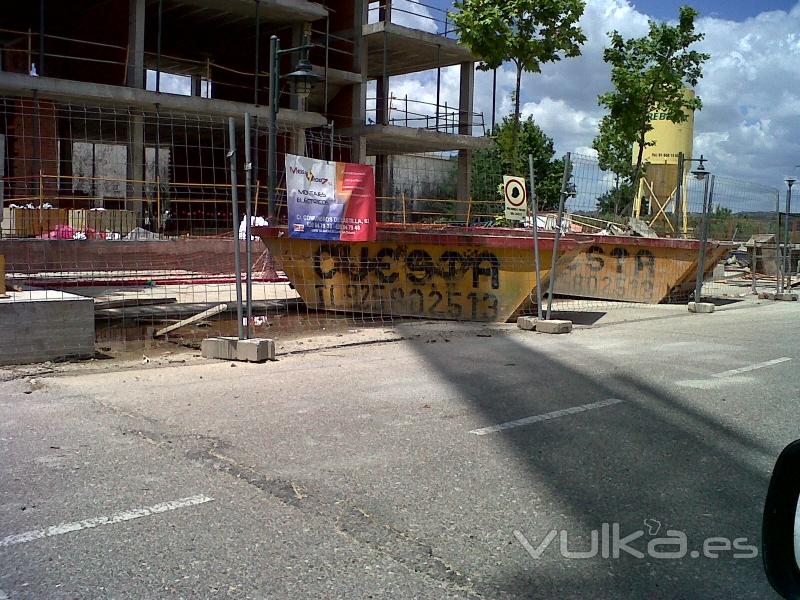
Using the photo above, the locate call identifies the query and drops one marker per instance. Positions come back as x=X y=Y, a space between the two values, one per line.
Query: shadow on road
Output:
x=654 y=456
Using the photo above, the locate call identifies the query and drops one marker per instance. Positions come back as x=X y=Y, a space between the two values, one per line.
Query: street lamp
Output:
x=701 y=174
x=301 y=81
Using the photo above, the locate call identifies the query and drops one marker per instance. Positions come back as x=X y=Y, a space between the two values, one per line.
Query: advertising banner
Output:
x=330 y=200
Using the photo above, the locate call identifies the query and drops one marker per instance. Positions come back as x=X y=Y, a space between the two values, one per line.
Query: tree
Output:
x=527 y=33
x=648 y=73
x=489 y=165
x=616 y=200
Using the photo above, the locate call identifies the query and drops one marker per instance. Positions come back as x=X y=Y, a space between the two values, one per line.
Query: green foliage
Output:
x=616 y=201
x=527 y=33
x=647 y=73
x=489 y=165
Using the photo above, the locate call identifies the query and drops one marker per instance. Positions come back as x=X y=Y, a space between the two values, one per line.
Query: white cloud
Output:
x=749 y=127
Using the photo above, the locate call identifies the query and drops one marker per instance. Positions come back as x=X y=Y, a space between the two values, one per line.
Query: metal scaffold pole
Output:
x=237 y=260
x=535 y=225
x=248 y=168
x=562 y=195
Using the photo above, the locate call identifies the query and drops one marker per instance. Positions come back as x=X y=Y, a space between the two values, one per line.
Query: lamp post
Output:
x=701 y=174
x=787 y=252
x=301 y=80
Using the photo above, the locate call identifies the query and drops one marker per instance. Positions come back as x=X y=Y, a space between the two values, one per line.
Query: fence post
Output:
x=534 y=213
x=248 y=167
x=237 y=261
x=787 y=252
x=708 y=194
x=679 y=196
x=564 y=181
x=778 y=254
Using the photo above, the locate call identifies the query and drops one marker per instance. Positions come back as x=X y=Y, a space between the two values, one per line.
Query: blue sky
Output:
x=735 y=10
x=750 y=123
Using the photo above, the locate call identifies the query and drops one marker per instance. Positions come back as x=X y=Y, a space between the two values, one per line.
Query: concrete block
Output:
x=44 y=325
x=783 y=297
x=222 y=348
x=527 y=323
x=255 y=350
x=701 y=307
x=554 y=326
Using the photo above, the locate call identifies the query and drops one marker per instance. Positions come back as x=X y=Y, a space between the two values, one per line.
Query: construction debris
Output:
x=194 y=319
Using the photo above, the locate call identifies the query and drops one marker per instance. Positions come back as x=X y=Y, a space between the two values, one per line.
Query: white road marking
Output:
x=768 y=363
x=119 y=517
x=545 y=417
x=3 y=595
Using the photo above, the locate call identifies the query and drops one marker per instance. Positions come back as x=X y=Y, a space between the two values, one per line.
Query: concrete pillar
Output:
x=136 y=12
x=465 y=122
x=135 y=165
x=197 y=83
x=298 y=139
x=359 y=90
x=136 y=79
x=383 y=187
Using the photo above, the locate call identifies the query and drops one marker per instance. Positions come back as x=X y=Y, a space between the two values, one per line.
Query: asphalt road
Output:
x=378 y=471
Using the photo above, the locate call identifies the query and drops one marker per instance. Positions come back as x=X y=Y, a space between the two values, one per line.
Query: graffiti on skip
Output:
x=420 y=266
x=615 y=273
x=449 y=284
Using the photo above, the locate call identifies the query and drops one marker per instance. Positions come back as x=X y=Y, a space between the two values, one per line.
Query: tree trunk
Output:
x=515 y=158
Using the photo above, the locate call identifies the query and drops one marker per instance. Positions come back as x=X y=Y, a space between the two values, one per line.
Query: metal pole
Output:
x=564 y=181
x=332 y=126
x=41 y=38
x=753 y=268
x=535 y=212
x=778 y=252
x=438 y=83
x=274 y=96
x=258 y=40
x=327 y=56
x=787 y=253
x=679 y=193
x=237 y=260
x=158 y=47
x=248 y=167
x=494 y=98
x=708 y=191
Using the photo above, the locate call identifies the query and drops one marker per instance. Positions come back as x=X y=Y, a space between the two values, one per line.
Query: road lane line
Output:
x=119 y=517
x=545 y=417
x=768 y=363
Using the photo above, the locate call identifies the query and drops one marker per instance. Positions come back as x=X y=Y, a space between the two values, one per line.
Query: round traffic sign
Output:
x=515 y=192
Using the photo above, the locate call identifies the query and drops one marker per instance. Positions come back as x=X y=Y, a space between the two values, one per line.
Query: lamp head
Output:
x=700 y=172
x=302 y=79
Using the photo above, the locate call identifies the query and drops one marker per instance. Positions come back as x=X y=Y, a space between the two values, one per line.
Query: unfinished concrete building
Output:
x=123 y=104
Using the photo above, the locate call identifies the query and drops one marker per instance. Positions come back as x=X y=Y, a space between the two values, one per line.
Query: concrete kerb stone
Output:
x=255 y=350
x=232 y=348
x=701 y=307
x=554 y=326
x=527 y=323
x=784 y=297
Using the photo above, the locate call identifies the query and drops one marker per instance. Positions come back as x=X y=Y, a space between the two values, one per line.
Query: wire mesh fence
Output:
x=133 y=210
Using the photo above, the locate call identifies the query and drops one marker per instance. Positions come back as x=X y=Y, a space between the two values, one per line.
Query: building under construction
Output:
x=124 y=104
